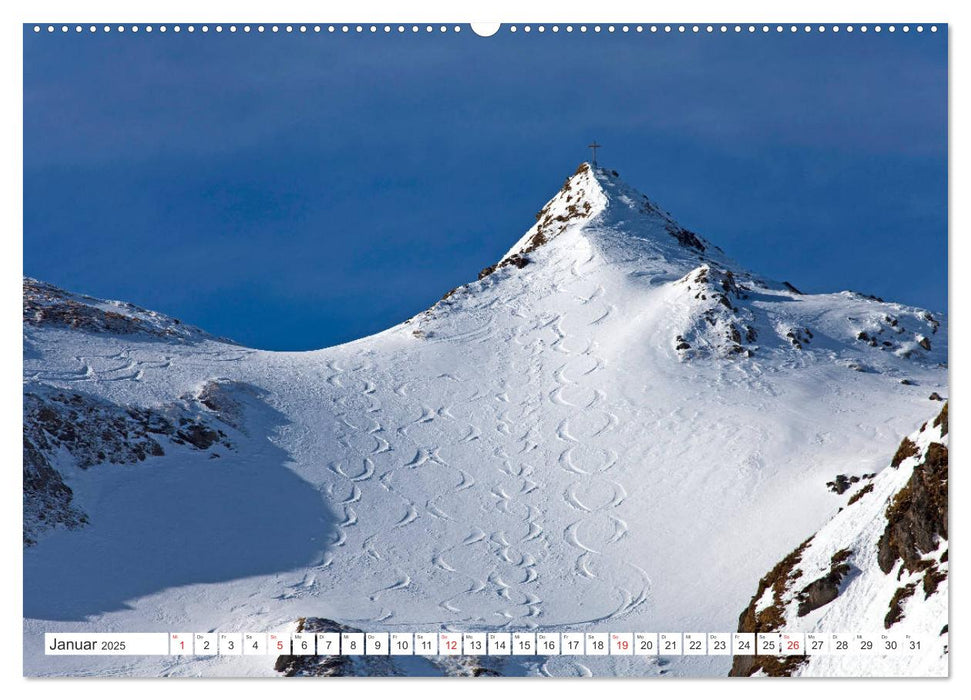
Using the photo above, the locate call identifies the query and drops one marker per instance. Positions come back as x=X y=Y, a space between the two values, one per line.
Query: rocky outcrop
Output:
x=917 y=516
x=906 y=334
x=767 y=613
x=716 y=326
x=824 y=589
x=70 y=428
x=568 y=206
x=843 y=483
x=47 y=499
x=684 y=237
x=49 y=306
x=877 y=562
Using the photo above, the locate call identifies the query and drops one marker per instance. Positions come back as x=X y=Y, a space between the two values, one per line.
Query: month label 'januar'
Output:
x=111 y=644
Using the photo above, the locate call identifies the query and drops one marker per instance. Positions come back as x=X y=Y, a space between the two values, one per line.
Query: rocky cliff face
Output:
x=66 y=431
x=880 y=564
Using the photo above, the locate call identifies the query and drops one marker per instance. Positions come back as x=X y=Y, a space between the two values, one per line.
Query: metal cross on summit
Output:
x=593 y=147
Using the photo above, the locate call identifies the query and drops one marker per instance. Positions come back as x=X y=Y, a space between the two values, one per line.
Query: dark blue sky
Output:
x=296 y=191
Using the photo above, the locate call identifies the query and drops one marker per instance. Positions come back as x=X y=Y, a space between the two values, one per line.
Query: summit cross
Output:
x=593 y=147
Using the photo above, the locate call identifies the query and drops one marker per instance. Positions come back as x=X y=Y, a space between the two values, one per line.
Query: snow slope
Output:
x=616 y=427
x=880 y=564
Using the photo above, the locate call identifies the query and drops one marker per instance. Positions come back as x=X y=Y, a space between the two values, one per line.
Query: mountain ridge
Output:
x=729 y=302
x=538 y=449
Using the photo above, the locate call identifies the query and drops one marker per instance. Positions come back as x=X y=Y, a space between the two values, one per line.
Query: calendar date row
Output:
x=483 y=644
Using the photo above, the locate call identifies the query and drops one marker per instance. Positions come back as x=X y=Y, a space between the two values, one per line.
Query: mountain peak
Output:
x=580 y=200
x=611 y=243
x=595 y=198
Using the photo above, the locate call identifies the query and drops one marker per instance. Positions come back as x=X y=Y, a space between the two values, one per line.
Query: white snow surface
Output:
x=532 y=452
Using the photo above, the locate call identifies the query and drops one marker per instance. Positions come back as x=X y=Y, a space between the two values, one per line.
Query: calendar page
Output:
x=519 y=349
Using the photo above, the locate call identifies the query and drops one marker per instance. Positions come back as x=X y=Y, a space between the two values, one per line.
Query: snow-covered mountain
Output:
x=616 y=427
x=880 y=564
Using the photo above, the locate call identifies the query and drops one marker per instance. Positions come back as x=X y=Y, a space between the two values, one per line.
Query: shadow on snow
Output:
x=178 y=520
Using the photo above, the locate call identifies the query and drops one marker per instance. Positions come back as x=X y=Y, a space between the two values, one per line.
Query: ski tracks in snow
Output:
x=483 y=505
x=592 y=494
x=115 y=367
